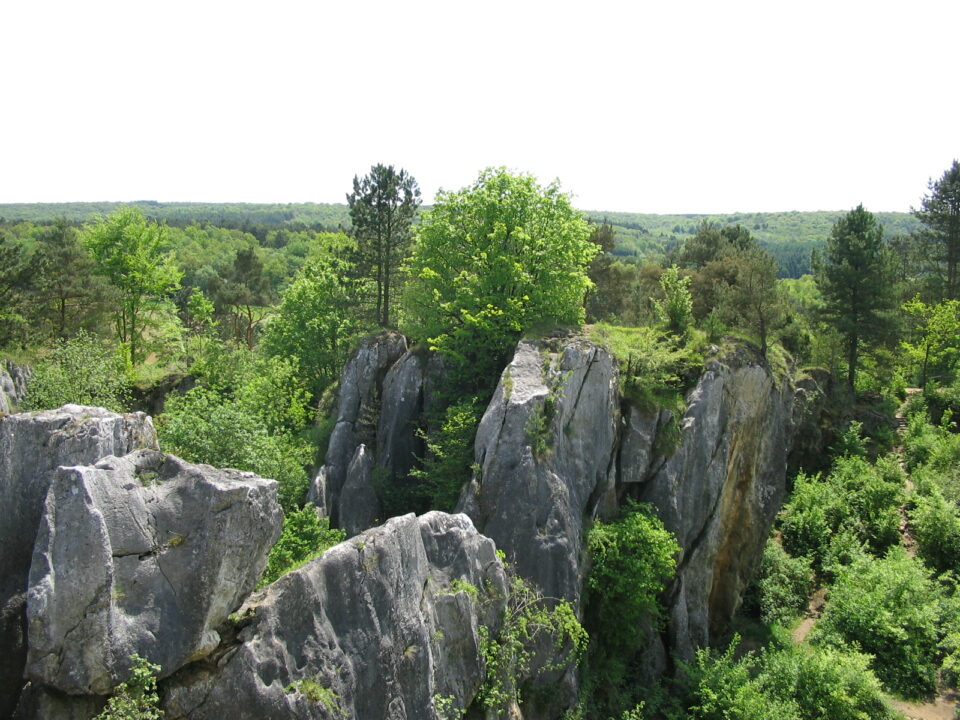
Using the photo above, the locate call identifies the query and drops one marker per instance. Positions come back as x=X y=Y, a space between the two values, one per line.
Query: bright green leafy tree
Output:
x=854 y=274
x=936 y=341
x=491 y=260
x=129 y=251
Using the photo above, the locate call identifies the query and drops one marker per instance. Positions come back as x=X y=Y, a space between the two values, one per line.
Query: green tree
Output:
x=753 y=299
x=316 y=320
x=492 y=259
x=136 y=698
x=68 y=294
x=129 y=251
x=854 y=275
x=382 y=208
x=936 y=341
x=16 y=278
x=244 y=294
x=940 y=212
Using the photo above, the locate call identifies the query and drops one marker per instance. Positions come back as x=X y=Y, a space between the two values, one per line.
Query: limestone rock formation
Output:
x=32 y=446
x=720 y=490
x=143 y=554
x=358 y=410
x=13 y=386
x=544 y=448
x=374 y=629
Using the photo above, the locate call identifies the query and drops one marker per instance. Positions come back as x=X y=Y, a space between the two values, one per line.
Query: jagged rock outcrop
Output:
x=143 y=554
x=13 y=386
x=374 y=629
x=386 y=395
x=544 y=448
x=358 y=411
x=719 y=491
x=32 y=446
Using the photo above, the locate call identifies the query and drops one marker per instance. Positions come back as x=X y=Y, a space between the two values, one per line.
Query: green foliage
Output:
x=654 y=369
x=130 y=252
x=854 y=275
x=675 y=310
x=449 y=460
x=305 y=536
x=316 y=321
x=631 y=558
x=855 y=496
x=529 y=619
x=887 y=607
x=489 y=261
x=316 y=693
x=940 y=213
x=936 y=528
x=81 y=371
x=779 y=592
x=786 y=682
x=136 y=698
x=935 y=345
x=248 y=415
x=383 y=205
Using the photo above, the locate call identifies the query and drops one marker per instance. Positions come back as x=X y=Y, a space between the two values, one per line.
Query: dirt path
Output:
x=814 y=610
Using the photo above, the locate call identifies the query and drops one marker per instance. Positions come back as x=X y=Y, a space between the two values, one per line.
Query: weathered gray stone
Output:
x=142 y=554
x=32 y=446
x=544 y=449
x=13 y=385
x=401 y=409
x=374 y=623
x=359 y=505
x=358 y=411
x=720 y=491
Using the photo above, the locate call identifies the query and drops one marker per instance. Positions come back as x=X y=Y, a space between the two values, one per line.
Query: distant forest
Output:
x=788 y=236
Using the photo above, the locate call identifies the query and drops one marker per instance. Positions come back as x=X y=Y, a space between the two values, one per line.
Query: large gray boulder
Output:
x=358 y=412
x=544 y=450
x=142 y=554
x=32 y=446
x=720 y=490
x=374 y=629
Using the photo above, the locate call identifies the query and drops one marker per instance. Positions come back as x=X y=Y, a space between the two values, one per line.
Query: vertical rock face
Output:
x=358 y=411
x=13 y=385
x=385 y=394
x=375 y=629
x=32 y=446
x=144 y=554
x=719 y=492
x=544 y=449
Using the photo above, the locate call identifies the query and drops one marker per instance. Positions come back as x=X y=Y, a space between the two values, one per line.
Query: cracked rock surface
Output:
x=143 y=554
x=32 y=446
x=374 y=629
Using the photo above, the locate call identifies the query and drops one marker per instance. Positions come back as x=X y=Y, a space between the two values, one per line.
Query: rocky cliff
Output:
x=32 y=446
x=13 y=385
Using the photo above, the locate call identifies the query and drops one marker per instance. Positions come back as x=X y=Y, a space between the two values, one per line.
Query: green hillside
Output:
x=790 y=236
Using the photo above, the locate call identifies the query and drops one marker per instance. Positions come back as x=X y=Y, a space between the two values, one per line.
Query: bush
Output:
x=889 y=608
x=784 y=681
x=136 y=698
x=855 y=496
x=305 y=536
x=81 y=371
x=782 y=585
x=936 y=528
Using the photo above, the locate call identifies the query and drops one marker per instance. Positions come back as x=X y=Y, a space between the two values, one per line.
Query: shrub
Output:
x=136 y=698
x=782 y=585
x=889 y=608
x=936 y=527
x=304 y=536
x=81 y=371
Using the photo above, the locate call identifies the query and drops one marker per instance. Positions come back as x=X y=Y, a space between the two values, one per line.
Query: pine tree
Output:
x=940 y=212
x=855 y=277
x=382 y=207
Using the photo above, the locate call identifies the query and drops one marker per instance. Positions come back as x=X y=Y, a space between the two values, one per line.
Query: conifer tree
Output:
x=940 y=212
x=855 y=277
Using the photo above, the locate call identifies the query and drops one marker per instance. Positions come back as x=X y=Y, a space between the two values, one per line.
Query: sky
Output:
x=651 y=107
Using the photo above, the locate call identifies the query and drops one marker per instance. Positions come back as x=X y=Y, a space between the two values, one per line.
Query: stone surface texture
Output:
x=142 y=554
x=374 y=629
x=32 y=446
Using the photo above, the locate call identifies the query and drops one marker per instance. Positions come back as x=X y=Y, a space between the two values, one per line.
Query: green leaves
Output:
x=492 y=259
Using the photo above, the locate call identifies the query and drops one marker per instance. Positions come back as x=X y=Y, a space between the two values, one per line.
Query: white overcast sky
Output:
x=663 y=107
